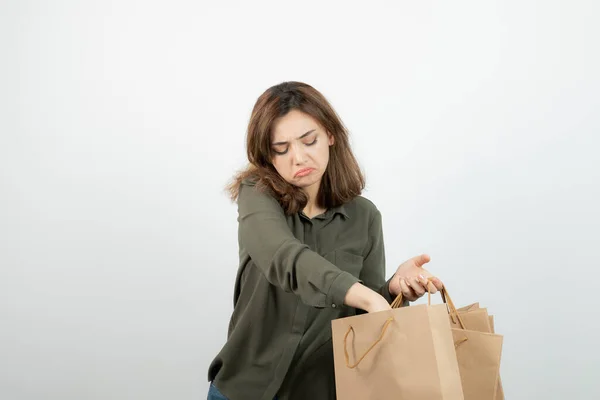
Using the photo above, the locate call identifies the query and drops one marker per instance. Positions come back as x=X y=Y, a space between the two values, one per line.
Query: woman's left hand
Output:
x=411 y=279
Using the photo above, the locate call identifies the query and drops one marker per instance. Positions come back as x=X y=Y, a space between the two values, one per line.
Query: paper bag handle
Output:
x=397 y=303
x=452 y=308
x=445 y=298
x=350 y=328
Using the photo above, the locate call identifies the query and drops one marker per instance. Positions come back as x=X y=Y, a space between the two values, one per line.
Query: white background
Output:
x=476 y=123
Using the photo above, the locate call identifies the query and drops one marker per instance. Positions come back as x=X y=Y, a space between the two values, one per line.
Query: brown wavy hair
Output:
x=343 y=179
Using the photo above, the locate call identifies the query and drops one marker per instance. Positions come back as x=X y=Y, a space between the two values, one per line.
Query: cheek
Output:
x=280 y=165
x=322 y=155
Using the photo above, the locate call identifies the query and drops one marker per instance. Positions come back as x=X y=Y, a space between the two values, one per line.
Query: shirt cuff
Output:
x=339 y=288
x=385 y=292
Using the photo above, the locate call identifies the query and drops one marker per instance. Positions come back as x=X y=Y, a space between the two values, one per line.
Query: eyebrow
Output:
x=303 y=136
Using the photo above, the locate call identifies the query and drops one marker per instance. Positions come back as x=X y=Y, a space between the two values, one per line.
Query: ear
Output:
x=331 y=139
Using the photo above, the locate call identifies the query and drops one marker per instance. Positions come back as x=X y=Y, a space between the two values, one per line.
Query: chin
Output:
x=304 y=182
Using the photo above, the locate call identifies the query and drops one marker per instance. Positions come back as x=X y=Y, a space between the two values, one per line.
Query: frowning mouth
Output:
x=303 y=172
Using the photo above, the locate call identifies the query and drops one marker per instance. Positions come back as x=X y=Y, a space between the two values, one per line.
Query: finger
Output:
x=417 y=286
x=437 y=283
x=407 y=291
x=431 y=287
x=427 y=285
x=421 y=260
x=425 y=280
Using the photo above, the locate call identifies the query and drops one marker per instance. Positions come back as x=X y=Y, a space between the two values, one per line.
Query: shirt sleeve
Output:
x=285 y=261
x=373 y=272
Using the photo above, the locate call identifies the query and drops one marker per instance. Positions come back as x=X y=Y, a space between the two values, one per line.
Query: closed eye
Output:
x=281 y=144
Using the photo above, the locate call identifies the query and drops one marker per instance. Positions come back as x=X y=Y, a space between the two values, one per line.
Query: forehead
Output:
x=293 y=125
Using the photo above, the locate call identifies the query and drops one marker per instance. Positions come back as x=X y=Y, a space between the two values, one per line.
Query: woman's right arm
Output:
x=290 y=264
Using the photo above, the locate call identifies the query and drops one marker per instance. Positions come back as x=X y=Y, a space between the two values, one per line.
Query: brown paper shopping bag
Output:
x=500 y=390
x=475 y=319
x=478 y=352
x=474 y=306
x=405 y=353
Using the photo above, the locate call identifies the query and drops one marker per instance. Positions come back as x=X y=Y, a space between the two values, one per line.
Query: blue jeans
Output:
x=214 y=394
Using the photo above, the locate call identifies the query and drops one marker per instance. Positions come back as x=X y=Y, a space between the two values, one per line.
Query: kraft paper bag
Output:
x=468 y=308
x=481 y=324
x=475 y=320
x=478 y=356
x=500 y=390
x=478 y=352
x=406 y=353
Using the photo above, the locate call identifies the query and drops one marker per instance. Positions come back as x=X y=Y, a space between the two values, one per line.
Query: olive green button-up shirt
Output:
x=293 y=277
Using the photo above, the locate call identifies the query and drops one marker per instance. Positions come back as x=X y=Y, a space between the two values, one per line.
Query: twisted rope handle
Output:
x=350 y=328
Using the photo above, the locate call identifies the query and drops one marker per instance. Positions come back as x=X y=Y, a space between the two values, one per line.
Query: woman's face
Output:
x=300 y=149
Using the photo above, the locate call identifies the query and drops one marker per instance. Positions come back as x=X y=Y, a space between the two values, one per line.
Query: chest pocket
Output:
x=348 y=262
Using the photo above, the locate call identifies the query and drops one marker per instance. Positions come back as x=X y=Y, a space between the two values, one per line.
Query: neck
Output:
x=312 y=208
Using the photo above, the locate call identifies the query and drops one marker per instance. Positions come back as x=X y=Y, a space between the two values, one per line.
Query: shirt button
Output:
x=333 y=305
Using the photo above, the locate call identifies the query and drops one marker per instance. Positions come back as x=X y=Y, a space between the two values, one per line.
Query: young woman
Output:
x=311 y=250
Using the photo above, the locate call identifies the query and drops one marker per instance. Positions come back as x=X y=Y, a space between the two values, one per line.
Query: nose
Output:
x=298 y=154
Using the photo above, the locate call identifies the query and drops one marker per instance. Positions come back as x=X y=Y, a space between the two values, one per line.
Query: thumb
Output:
x=421 y=260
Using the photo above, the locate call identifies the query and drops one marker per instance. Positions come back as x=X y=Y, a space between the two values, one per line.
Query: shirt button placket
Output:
x=309 y=234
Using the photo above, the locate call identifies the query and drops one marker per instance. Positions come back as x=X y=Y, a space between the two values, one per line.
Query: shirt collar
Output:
x=341 y=209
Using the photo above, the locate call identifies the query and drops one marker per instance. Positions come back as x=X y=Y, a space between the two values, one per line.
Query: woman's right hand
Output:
x=360 y=296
